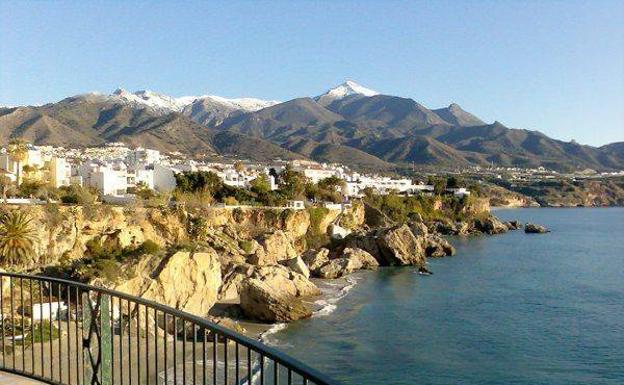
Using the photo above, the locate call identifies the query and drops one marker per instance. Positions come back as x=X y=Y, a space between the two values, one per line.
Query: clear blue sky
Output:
x=554 y=66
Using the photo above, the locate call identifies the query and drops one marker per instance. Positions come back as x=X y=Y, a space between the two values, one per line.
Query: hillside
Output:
x=91 y=120
x=349 y=123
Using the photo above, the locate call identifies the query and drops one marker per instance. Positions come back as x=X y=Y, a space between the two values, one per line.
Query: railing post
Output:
x=96 y=342
x=105 y=339
x=87 y=370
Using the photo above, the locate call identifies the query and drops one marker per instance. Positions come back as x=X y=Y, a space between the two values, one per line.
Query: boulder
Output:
x=398 y=246
x=443 y=227
x=185 y=281
x=436 y=247
x=513 y=225
x=419 y=229
x=131 y=236
x=337 y=268
x=361 y=258
x=232 y=279
x=262 y=302
x=374 y=217
x=352 y=259
x=392 y=246
x=490 y=225
x=298 y=266
x=275 y=247
x=315 y=258
x=532 y=228
x=285 y=282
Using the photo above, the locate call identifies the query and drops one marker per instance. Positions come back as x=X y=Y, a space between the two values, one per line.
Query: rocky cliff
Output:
x=261 y=259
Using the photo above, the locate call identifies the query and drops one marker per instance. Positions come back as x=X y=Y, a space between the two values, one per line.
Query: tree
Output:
x=454 y=182
x=261 y=185
x=17 y=238
x=5 y=185
x=195 y=181
x=292 y=183
x=439 y=184
x=75 y=194
x=239 y=167
x=18 y=152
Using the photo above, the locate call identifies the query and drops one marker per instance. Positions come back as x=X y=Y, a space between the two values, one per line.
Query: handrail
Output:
x=106 y=318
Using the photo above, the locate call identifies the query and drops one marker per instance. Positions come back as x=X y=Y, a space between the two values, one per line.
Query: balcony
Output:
x=63 y=332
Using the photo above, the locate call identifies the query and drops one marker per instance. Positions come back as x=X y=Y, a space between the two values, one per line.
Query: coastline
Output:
x=332 y=291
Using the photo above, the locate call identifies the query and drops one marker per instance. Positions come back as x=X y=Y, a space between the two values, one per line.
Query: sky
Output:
x=552 y=66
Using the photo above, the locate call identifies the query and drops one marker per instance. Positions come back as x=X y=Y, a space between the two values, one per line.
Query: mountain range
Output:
x=350 y=124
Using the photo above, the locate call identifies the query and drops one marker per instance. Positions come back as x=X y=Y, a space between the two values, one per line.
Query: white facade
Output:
x=60 y=172
x=356 y=184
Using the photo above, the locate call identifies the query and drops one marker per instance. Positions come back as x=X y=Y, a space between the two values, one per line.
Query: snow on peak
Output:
x=164 y=103
x=343 y=90
x=153 y=100
x=245 y=104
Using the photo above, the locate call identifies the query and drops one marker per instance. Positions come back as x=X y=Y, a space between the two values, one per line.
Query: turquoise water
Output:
x=507 y=309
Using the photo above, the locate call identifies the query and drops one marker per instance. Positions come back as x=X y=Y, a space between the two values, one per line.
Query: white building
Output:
x=60 y=172
x=356 y=184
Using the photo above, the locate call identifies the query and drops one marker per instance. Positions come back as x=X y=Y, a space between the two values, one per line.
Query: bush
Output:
x=75 y=194
x=149 y=247
x=246 y=245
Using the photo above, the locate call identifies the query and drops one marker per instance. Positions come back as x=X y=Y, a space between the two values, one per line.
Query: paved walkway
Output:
x=12 y=379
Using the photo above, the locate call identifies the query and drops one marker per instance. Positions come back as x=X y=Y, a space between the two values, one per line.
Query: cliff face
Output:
x=261 y=258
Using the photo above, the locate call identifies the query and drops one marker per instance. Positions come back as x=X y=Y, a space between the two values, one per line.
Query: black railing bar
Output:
x=58 y=323
x=32 y=329
x=68 y=336
x=147 y=351
x=41 y=324
x=194 y=354
x=129 y=344
x=121 y=335
x=175 y=350
x=155 y=344
x=214 y=358
x=138 y=342
x=165 y=347
x=2 y=320
x=22 y=306
x=12 y=319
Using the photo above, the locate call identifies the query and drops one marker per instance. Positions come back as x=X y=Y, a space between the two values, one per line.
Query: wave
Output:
x=328 y=305
x=266 y=336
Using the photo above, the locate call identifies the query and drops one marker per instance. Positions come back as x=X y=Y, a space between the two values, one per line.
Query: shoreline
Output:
x=332 y=291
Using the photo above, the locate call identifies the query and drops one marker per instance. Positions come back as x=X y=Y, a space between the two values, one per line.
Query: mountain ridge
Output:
x=349 y=123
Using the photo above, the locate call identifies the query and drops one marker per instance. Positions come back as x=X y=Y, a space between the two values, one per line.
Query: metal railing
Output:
x=64 y=332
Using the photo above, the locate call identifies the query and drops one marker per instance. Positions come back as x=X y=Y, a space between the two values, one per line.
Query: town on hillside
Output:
x=115 y=173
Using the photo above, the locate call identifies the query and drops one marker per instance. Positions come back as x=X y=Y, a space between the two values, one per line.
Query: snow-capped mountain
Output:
x=343 y=90
x=153 y=100
x=203 y=109
x=213 y=110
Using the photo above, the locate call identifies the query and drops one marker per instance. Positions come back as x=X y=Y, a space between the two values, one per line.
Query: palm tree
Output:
x=17 y=238
x=18 y=150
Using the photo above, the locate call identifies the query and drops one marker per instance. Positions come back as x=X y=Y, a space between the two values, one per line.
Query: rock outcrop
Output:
x=393 y=246
x=261 y=302
x=273 y=294
x=298 y=266
x=315 y=259
x=189 y=282
x=490 y=225
x=436 y=247
x=350 y=261
x=513 y=225
x=532 y=228
x=275 y=247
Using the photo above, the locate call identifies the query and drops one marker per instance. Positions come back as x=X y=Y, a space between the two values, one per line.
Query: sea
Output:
x=513 y=308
